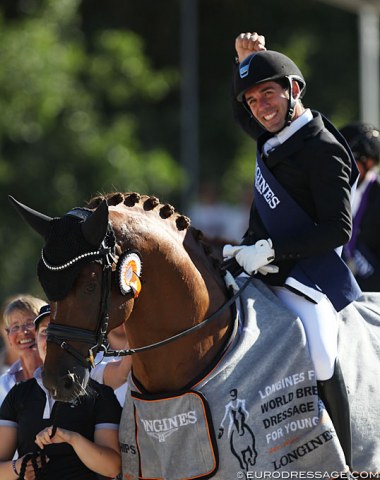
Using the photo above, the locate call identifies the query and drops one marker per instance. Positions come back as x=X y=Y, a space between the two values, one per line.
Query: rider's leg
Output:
x=321 y=328
x=333 y=393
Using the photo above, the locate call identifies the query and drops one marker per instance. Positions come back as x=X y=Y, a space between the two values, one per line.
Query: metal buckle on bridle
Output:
x=61 y=334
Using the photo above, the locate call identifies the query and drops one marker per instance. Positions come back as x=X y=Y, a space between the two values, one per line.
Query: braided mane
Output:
x=166 y=211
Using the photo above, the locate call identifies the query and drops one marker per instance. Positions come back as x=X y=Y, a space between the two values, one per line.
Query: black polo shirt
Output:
x=24 y=406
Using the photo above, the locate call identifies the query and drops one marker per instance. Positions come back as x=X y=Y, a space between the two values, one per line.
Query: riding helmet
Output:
x=265 y=66
x=364 y=140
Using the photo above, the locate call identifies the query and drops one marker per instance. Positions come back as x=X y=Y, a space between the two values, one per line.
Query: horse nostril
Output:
x=68 y=383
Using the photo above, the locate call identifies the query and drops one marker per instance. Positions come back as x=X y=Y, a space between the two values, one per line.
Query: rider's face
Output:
x=268 y=103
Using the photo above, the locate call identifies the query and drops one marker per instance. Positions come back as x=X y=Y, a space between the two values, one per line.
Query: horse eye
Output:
x=90 y=288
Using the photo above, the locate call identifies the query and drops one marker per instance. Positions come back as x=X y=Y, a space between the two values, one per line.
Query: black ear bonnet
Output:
x=67 y=250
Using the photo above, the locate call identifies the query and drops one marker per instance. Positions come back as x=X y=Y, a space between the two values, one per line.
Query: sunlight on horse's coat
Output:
x=182 y=284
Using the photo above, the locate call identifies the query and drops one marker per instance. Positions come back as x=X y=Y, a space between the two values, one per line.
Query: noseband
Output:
x=61 y=334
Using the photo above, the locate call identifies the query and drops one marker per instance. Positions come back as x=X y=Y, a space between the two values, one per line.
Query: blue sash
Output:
x=280 y=214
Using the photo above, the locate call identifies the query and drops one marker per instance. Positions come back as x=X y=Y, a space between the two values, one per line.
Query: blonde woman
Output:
x=85 y=442
x=19 y=313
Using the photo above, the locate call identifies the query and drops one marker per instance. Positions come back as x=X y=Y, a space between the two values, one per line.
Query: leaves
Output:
x=90 y=100
x=70 y=124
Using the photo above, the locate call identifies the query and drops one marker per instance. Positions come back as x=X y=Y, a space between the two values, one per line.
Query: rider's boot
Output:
x=334 y=395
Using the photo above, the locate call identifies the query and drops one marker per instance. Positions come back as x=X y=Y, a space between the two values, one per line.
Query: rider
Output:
x=363 y=250
x=301 y=211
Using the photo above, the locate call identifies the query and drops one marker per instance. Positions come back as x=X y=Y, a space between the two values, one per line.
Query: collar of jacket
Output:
x=294 y=143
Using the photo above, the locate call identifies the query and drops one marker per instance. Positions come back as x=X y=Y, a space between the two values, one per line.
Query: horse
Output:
x=127 y=258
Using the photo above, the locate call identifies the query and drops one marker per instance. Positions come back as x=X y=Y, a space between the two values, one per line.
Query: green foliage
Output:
x=90 y=100
x=70 y=124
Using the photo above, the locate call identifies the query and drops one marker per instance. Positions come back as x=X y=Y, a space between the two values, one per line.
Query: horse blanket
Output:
x=257 y=409
x=359 y=353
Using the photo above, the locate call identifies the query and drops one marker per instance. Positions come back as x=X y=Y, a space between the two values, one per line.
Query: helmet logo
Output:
x=243 y=70
x=245 y=64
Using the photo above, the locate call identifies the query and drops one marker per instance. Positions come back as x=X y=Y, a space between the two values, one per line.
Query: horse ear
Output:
x=38 y=221
x=94 y=229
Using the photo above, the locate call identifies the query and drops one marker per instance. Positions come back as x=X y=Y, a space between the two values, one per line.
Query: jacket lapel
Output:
x=296 y=141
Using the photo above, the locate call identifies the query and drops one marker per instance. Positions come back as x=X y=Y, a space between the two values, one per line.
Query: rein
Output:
x=130 y=351
x=32 y=456
x=61 y=334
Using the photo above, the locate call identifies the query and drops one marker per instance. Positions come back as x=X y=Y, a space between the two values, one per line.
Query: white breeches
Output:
x=320 y=322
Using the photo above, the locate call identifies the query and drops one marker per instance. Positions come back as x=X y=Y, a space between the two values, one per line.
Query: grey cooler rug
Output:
x=257 y=411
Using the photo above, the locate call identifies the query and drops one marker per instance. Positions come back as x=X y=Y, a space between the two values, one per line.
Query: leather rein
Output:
x=62 y=334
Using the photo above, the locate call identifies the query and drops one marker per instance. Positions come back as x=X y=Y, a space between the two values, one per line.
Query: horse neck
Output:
x=179 y=292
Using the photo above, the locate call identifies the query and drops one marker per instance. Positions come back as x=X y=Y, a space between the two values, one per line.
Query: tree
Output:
x=90 y=100
x=70 y=124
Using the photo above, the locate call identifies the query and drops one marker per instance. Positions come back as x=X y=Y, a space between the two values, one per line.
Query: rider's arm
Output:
x=246 y=44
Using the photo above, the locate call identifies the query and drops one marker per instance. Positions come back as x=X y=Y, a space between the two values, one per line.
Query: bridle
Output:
x=62 y=334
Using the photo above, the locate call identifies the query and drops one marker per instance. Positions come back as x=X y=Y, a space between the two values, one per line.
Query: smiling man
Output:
x=301 y=214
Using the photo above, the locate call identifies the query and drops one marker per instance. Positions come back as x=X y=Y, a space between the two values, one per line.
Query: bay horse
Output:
x=126 y=257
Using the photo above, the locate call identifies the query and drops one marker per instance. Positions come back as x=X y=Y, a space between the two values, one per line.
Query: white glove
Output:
x=251 y=257
x=230 y=282
x=268 y=269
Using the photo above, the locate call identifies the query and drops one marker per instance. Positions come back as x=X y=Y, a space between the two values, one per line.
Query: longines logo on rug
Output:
x=161 y=428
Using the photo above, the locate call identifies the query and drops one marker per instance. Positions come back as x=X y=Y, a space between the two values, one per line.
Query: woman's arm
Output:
x=101 y=456
x=8 y=445
x=116 y=373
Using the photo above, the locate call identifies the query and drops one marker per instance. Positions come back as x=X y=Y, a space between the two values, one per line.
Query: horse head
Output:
x=89 y=269
x=78 y=250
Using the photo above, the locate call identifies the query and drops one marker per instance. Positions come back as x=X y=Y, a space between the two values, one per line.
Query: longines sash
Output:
x=281 y=214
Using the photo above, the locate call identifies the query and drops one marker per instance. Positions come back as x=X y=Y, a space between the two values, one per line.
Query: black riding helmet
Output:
x=267 y=66
x=363 y=139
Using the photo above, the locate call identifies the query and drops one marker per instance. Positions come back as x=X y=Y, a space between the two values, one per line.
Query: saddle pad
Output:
x=181 y=425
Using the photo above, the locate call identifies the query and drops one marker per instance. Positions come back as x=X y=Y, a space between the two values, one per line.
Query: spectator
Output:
x=19 y=313
x=114 y=371
x=362 y=252
x=86 y=436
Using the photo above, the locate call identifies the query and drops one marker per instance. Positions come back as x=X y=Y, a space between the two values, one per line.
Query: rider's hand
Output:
x=268 y=269
x=251 y=257
x=248 y=43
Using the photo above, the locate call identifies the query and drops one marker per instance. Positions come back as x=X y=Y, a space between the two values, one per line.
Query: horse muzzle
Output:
x=67 y=387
